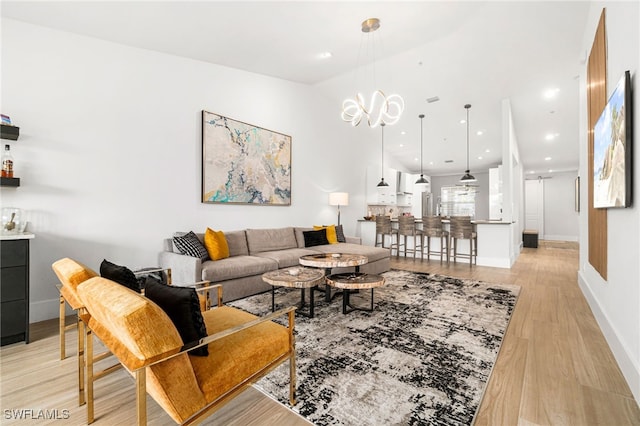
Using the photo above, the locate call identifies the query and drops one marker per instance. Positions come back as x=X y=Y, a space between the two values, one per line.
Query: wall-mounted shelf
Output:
x=10 y=132
x=5 y=181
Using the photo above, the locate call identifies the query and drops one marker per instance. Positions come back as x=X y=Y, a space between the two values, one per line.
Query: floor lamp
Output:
x=339 y=199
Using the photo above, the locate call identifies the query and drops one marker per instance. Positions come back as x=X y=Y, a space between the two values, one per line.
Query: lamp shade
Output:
x=339 y=199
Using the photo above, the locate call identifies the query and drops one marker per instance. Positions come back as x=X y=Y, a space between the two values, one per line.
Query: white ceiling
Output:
x=463 y=52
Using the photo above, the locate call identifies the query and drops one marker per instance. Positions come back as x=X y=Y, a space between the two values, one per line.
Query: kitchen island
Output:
x=495 y=240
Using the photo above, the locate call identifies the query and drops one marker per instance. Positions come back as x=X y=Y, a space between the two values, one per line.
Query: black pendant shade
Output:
x=422 y=180
x=468 y=177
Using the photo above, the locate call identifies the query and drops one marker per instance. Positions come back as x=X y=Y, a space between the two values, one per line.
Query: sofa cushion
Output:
x=238 y=355
x=340 y=234
x=300 y=236
x=236 y=267
x=216 y=244
x=237 y=242
x=372 y=253
x=286 y=258
x=120 y=274
x=260 y=240
x=183 y=307
x=189 y=244
x=315 y=238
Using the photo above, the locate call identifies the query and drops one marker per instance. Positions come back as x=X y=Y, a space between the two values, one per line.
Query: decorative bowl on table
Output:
x=294 y=272
x=368 y=217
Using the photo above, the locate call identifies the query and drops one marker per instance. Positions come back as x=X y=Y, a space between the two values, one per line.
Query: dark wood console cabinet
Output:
x=14 y=294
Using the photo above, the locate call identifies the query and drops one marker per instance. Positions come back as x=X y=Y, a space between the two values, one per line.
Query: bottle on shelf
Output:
x=7 y=162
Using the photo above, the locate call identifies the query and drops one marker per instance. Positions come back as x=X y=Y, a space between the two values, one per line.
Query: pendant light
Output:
x=467 y=178
x=382 y=182
x=381 y=108
x=422 y=180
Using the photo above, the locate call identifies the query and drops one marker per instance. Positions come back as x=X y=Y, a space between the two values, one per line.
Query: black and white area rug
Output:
x=423 y=357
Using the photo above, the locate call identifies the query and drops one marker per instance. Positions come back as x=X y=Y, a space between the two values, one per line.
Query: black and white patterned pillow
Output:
x=190 y=245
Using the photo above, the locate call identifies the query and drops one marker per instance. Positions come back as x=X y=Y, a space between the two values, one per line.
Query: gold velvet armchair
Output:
x=242 y=348
x=71 y=274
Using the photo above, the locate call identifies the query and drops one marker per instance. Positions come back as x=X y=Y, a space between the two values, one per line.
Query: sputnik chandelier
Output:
x=381 y=108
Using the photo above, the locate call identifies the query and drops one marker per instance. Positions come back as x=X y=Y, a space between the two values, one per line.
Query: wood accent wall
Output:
x=596 y=100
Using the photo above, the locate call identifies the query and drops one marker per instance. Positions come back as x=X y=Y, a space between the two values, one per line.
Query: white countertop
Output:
x=16 y=236
x=444 y=220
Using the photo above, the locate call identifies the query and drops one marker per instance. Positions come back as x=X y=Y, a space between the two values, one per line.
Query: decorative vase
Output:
x=12 y=221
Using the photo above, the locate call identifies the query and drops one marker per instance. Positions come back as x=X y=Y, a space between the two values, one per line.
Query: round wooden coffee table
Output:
x=354 y=281
x=327 y=261
x=295 y=277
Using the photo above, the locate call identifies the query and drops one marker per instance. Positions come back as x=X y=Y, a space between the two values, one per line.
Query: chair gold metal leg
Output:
x=81 y=341
x=63 y=353
x=89 y=355
x=141 y=396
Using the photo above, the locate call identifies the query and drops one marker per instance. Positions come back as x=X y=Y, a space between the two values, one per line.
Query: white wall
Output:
x=560 y=216
x=616 y=302
x=512 y=181
x=110 y=149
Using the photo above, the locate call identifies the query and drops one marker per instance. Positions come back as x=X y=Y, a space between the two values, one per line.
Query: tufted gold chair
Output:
x=71 y=274
x=242 y=349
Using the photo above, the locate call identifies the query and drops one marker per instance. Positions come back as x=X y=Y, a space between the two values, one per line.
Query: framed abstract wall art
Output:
x=612 y=148
x=243 y=163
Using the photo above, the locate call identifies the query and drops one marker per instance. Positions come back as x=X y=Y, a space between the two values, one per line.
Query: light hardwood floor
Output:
x=554 y=368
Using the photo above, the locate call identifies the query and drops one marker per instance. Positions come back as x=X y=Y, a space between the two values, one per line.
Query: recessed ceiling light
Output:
x=547 y=158
x=531 y=172
x=463 y=121
x=551 y=136
x=401 y=145
x=431 y=163
x=550 y=171
x=480 y=157
x=551 y=93
x=416 y=159
x=325 y=55
x=403 y=132
x=479 y=132
x=487 y=150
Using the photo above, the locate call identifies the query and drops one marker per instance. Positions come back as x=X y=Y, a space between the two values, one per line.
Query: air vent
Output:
x=433 y=99
x=448 y=161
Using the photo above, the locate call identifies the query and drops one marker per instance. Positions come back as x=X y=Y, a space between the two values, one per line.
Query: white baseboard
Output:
x=46 y=309
x=560 y=237
x=630 y=370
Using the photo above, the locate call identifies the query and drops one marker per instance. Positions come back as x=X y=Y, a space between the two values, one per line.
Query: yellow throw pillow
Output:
x=332 y=237
x=216 y=244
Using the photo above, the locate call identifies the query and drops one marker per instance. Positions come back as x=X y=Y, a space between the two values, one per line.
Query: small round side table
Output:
x=295 y=277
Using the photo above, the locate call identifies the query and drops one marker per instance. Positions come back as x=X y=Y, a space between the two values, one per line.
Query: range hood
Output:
x=402 y=185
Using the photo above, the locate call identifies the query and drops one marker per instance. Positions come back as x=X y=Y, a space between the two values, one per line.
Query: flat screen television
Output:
x=612 y=145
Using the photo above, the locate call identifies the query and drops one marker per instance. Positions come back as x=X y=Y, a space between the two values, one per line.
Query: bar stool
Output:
x=461 y=228
x=407 y=228
x=383 y=228
x=432 y=228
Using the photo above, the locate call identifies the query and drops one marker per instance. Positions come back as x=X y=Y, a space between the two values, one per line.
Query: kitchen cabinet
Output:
x=14 y=291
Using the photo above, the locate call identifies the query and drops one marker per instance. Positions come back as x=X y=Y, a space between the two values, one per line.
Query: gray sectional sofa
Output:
x=253 y=252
